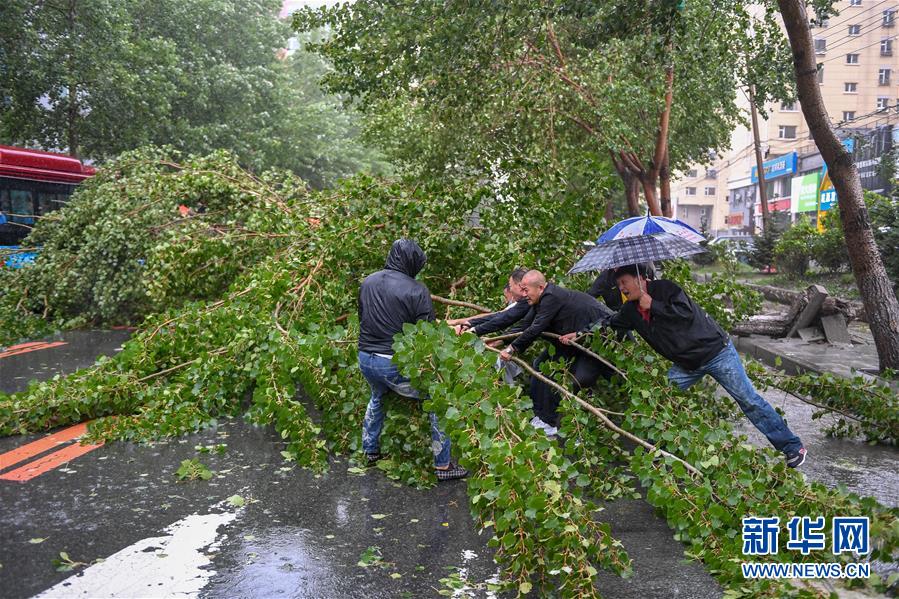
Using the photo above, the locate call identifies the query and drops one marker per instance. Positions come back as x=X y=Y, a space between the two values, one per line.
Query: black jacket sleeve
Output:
x=425 y=308
x=544 y=313
x=500 y=320
x=669 y=302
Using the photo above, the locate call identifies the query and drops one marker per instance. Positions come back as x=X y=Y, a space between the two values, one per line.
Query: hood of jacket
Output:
x=406 y=257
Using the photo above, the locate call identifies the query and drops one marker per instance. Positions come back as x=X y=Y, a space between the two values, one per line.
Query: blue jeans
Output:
x=727 y=369
x=383 y=376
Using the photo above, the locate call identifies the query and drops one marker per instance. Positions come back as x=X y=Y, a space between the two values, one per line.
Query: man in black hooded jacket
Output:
x=388 y=299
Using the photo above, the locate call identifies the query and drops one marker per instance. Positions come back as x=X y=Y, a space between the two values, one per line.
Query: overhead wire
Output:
x=853 y=14
x=866 y=28
x=862 y=48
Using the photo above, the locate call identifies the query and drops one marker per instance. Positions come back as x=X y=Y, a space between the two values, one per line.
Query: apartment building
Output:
x=858 y=71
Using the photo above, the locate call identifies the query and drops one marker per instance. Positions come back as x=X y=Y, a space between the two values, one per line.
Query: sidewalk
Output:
x=797 y=356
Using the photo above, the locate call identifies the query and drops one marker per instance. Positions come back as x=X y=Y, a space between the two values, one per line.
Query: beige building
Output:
x=858 y=58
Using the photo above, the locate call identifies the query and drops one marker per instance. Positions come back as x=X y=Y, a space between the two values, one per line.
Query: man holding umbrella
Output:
x=674 y=325
x=678 y=329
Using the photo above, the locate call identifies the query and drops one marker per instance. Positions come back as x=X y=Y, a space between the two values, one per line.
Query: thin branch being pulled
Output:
x=449 y=302
x=599 y=413
x=574 y=344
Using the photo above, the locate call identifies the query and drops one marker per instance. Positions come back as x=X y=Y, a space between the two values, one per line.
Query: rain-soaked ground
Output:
x=297 y=534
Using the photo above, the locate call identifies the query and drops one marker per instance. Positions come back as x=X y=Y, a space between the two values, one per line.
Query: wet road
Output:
x=865 y=469
x=78 y=349
x=296 y=534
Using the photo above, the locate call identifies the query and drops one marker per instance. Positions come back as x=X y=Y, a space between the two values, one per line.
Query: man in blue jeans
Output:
x=682 y=332
x=388 y=299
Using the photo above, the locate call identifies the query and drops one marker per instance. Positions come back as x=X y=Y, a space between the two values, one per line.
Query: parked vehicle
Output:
x=740 y=245
x=33 y=184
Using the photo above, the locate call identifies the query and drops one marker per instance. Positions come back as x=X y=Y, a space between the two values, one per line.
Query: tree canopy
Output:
x=466 y=87
x=96 y=78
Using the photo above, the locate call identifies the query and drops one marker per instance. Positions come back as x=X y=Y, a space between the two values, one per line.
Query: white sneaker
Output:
x=548 y=429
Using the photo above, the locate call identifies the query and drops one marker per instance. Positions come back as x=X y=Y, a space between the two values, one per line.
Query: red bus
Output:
x=32 y=184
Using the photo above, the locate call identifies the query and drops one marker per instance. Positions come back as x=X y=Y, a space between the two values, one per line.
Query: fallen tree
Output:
x=268 y=339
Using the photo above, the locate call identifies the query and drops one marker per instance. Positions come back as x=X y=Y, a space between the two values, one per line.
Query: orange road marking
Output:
x=23 y=345
x=48 y=462
x=31 y=348
x=41 y=445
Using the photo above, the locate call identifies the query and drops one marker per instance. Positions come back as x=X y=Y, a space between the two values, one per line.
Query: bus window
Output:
x=46 y=203
x=22 y=207
x=5 y=206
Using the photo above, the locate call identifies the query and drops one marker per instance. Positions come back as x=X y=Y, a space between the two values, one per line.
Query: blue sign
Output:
x=828 y=199
x=828 y=195
x=778 y=167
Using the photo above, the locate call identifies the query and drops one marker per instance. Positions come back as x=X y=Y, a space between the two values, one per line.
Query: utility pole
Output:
x=763 y=195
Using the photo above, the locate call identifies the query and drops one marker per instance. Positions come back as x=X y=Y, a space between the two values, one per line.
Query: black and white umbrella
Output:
x=633 y=250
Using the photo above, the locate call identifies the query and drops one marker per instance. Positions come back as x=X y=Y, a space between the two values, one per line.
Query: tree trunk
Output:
x=665 y=187
x=881 y=305
x=631 y=184
x=632 y=193
x=610 y=211
x=649 y=192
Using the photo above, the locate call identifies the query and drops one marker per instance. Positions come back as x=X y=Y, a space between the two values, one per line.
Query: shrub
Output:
x=793 y=250
x=830 y=246
x=762 y=254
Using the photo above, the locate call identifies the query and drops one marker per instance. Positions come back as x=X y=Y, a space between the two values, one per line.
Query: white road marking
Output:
x=174 y=565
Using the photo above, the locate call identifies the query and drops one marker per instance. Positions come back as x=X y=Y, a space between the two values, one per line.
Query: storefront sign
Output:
x=805 y=192
x=778 y=167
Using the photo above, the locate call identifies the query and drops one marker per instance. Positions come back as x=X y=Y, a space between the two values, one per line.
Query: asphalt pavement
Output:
x=259 y=527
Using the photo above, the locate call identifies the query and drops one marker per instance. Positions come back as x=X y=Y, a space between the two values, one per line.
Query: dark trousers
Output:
x=585 y=370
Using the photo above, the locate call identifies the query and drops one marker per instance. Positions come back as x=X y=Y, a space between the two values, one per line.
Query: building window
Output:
x=788 y=106
x=848 y=115
x=886 y=47
x=852 y=59
x=850 y=87
x=692 y=173
x=855 y=30
x=820 y=46
x=820 y=73
x=883 y=103
x=709 y=191
x=855 y=2
x=883 y=76
x=690 y=191
x=787 y=132
x=889 y=18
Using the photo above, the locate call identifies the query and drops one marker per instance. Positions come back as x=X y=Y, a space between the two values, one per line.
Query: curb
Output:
x=788 y=364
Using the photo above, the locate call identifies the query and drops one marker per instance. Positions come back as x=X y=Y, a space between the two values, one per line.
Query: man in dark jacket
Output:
x=513 y=312
x=682 y=332
x=388 y=299
x=606 y=287
x=557 y=310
